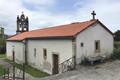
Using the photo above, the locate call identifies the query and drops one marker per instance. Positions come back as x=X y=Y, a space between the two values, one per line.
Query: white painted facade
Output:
x=61 y=47
x=88 y=37
x=64 y=48
x=18 y=48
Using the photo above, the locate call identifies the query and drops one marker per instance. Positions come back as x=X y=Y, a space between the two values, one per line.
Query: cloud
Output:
x=46 y=13
x=40 y=2
x=36 y=5
x=107 y=11
x=8 y=10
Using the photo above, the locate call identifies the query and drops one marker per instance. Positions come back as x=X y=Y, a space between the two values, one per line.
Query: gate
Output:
x=12 y=73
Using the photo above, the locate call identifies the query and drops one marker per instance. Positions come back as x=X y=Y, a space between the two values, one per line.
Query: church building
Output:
x=58 y=49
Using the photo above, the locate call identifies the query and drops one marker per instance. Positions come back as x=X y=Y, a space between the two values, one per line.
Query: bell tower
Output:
x=22 y=24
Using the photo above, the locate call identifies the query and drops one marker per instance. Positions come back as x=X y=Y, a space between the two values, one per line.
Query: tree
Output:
x=117 y=35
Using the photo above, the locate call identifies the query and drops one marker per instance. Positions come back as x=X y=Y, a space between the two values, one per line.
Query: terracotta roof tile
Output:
x=69 y=30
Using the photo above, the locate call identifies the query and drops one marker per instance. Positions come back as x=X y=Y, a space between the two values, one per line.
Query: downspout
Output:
x=25 y=51
x=74 y=51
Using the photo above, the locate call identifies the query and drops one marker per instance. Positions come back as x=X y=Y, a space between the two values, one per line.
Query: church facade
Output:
x=47 y=49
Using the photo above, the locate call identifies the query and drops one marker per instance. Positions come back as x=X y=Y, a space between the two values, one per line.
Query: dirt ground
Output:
x=105 y=71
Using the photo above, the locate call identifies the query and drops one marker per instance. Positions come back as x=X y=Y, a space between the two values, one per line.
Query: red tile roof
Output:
x=69 y=30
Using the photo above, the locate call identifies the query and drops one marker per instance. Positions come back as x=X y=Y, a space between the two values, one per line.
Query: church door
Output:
x=55 y=64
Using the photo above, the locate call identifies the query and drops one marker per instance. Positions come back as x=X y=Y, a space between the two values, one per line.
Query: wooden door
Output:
x=55 y=64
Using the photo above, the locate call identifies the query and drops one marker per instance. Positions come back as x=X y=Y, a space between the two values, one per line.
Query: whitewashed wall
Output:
x=61 y=47
x=18 y=49
x=64 y=48
x=88 y=37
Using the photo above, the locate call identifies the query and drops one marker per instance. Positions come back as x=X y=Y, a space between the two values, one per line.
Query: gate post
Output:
x=74 y=58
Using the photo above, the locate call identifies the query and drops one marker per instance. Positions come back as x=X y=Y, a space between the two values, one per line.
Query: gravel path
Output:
x=105 y=71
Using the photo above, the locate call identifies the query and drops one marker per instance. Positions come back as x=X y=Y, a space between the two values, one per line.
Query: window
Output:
x=45 y=53
x=82 y=45
x=97 y=46
x=34 y=52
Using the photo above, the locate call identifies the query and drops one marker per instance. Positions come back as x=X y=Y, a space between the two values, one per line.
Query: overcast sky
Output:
x=47 y=13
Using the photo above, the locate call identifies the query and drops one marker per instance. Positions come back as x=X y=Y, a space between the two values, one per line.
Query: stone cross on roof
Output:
x=93 y=15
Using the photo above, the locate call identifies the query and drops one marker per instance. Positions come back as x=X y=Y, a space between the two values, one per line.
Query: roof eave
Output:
x=56 y=37
x=14 y=40
x=43 y=38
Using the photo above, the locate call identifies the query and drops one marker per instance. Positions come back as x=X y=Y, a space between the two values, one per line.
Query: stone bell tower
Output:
x=22 y=24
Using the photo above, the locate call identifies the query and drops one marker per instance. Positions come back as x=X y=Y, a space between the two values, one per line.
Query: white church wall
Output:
x=61 y=47
x=18 y=50
x=88 y=37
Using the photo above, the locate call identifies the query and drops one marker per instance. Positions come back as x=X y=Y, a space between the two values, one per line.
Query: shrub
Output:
x=117 y=45
x=85 y=61
x=115 y=54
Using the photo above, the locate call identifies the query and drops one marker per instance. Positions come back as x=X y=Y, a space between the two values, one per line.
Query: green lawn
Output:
x=30 y=70
x=34 y=72
x=2 y=55
x=1 y=70
x=117 y=44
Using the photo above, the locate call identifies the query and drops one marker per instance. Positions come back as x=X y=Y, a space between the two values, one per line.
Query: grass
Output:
x=116 y=53
x=34 y=72
x=1 y=70
x=117 y=44
x=30 y=70
x=2 y=55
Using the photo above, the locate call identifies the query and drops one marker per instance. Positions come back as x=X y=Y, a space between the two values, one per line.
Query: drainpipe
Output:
x=13 y=54
x=25 y=52
x=25 y=58
x=74 y=51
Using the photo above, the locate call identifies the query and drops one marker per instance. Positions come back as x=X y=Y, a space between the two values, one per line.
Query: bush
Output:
x=85 y=61
x=115 y=54
x=2 y=45
x=117 y=44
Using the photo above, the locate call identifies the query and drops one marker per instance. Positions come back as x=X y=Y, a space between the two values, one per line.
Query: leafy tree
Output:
x=117 y=35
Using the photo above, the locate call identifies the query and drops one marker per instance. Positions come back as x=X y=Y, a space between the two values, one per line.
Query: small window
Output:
x=45 y=53
x=82 y=45
x=34 y=52
x=97 y=46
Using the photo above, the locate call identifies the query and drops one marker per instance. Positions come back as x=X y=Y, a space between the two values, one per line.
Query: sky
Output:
x=48 y=13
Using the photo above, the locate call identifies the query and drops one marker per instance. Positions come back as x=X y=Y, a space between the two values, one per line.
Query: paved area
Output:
x=105 y=71
x=4 y=64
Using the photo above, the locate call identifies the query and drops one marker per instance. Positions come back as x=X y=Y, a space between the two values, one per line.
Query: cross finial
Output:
x=93 y=14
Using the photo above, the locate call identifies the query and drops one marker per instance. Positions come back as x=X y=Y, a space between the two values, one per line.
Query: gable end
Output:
x=97 y=21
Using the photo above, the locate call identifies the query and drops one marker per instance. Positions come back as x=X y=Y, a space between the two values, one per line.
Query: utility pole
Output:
x=25 y=59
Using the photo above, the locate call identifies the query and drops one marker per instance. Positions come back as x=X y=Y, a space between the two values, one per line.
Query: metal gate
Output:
x=12 y=73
